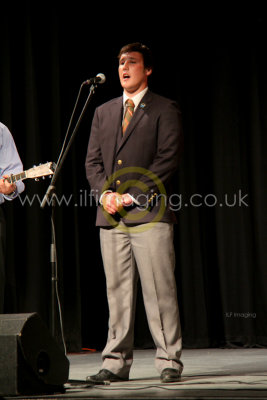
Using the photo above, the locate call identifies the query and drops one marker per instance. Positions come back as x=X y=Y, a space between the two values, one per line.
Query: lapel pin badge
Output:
x=142 y=105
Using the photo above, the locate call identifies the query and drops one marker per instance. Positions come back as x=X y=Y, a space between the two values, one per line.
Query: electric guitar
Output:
x=36 y=172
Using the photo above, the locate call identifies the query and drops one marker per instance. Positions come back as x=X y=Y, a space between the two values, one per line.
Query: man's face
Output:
x=132 y=73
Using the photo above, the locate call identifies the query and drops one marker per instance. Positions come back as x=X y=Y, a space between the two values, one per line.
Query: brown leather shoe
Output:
x=104 y=375
x=170 y=375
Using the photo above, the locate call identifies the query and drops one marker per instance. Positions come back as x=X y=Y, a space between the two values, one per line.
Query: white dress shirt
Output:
x=136 y=99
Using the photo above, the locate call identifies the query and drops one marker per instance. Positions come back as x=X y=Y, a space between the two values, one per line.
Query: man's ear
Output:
x=148 y=71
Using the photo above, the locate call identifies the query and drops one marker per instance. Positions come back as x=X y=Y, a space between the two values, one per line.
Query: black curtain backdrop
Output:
x=213 y=62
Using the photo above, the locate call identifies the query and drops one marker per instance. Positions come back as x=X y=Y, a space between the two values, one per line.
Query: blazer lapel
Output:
x=115 y=123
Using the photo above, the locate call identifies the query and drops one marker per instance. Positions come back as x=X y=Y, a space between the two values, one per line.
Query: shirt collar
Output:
x=136 y=99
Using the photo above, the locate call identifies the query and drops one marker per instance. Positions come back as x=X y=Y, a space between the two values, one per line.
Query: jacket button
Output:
x=118 y=182
x=119 y=162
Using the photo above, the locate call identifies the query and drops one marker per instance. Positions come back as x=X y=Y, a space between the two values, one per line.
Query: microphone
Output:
x=99 y=78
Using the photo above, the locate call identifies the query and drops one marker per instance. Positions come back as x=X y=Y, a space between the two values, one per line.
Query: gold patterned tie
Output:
x=128 y=114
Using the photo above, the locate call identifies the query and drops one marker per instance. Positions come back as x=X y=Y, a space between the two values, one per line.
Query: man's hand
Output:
x=6 y=187
x=112 y=202
x=127 y=200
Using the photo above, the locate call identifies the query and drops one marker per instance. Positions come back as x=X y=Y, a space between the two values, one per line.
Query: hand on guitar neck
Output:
x=6 y=187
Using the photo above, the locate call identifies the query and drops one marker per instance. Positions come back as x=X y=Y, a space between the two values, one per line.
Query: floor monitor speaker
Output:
x=31 y=361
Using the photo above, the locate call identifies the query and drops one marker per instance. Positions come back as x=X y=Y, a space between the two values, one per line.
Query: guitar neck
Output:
x=18 y=177
x=36 y=172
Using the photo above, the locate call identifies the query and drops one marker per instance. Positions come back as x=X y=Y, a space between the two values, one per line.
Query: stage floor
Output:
x=208 y=374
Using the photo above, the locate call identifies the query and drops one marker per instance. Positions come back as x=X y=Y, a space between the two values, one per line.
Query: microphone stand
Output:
x=50 y=199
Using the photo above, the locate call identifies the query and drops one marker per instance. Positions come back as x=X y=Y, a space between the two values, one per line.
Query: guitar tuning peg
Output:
x=43 y=177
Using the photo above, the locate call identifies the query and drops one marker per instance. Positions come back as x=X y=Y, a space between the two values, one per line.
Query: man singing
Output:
x=133 y=152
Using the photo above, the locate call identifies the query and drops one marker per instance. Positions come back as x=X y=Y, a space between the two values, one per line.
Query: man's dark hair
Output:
x=140 y=48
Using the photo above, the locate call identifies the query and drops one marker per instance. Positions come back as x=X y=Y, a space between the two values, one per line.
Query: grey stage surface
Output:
x=208 y=374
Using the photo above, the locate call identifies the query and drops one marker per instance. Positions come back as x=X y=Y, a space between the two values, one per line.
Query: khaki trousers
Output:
x=146 y=251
